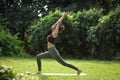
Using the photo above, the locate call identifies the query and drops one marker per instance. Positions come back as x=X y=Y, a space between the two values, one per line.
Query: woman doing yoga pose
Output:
x=52 y=51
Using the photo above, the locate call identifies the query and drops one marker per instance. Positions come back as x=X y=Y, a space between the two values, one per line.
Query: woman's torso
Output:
x=50 y=41
x=49 y=45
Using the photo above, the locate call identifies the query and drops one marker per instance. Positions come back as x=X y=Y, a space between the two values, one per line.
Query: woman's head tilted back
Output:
x=62 y=28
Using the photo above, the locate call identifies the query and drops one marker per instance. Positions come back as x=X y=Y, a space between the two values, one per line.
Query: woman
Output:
x=52 y=51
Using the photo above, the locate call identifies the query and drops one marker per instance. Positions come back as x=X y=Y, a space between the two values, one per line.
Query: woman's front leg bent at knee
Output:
x=39 y=57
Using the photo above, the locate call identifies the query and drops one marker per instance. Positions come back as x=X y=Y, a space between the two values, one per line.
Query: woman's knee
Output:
x=38 y=56
x=63 y=62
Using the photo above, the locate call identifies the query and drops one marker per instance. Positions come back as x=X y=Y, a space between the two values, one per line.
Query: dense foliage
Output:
x=87 y=20
x=108 y=35
x=10 y=44
x=88 y=33
x=17 y=15
x=89 y=27
x=40 y=30
x=73 y=39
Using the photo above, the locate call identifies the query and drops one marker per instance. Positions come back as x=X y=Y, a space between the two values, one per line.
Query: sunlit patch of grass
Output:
x=96 y=70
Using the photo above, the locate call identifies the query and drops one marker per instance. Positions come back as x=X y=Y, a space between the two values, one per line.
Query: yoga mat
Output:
x=62 y=74
x=59 y=74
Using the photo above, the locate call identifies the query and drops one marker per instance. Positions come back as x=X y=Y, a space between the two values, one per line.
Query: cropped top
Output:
x=51 y=39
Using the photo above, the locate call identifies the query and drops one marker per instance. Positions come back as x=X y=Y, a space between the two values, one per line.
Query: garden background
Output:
x=92 y=28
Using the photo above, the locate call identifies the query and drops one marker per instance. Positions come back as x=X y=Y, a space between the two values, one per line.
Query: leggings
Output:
x=53 y=53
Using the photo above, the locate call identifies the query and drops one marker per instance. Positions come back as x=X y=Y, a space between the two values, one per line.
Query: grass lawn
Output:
x=96 y=70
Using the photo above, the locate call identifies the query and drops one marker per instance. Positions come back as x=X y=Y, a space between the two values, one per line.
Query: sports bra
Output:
x=51 y=39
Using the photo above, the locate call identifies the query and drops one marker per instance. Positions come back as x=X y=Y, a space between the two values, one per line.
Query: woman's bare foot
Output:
x=79 y=71
x=39 y=72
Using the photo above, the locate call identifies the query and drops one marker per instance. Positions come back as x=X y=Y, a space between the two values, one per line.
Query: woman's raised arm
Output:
x=58 y=23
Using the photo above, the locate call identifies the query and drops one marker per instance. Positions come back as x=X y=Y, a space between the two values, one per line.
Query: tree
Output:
x=20 y=13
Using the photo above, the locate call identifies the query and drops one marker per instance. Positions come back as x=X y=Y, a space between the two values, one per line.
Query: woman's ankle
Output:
x=39 y=72
x=79 y=71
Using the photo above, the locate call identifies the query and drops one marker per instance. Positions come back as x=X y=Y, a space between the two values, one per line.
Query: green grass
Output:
x=96 y=70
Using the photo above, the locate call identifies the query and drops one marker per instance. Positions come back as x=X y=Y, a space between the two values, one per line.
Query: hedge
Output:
x=10 y=45
x=108 y=35
x=73 y=40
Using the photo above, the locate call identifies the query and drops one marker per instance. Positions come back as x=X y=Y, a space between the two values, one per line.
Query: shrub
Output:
x=108 y=35
x=39 y=31
x=42 y=28
x=87 y=20
x=74 y=39
x=10 y=44
x=6 y=73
